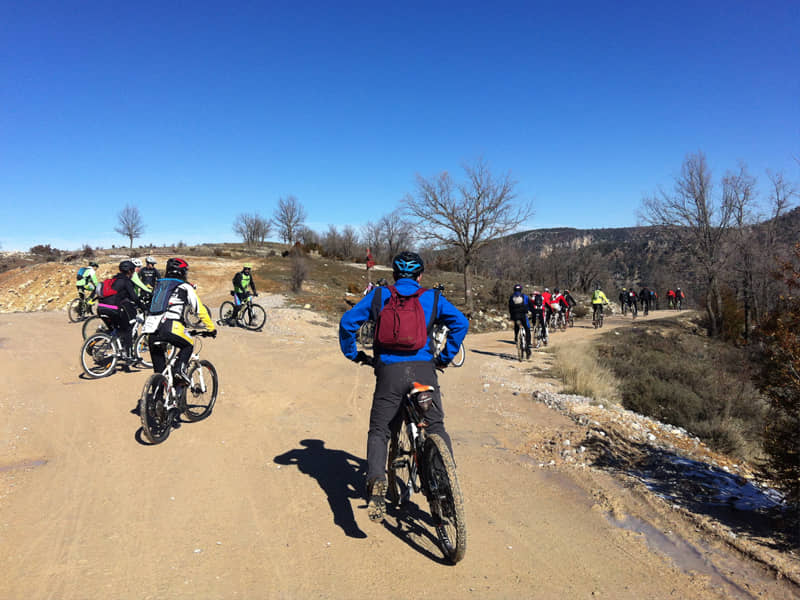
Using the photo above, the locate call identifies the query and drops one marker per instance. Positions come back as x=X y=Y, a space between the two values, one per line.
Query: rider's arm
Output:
x=352 y=320
x=140 y=284
x=200 y=309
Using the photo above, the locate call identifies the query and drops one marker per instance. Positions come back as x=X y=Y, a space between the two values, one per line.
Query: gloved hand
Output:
x=212 y=334
x=255 y=293
x=363 y=358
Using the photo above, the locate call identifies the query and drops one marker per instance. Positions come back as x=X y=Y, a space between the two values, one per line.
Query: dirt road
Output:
x=263 y=499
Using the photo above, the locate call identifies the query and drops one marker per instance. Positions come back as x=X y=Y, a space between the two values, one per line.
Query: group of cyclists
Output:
x=647 y=300
x=544 y=307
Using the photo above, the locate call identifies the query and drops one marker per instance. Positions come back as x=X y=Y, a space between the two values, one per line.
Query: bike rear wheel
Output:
x=253 y=317
x=226 y=311
x=93 y=325
x=98 y=355
x=445 y=499
x=202 y=393
x=458 y=359
x=156 y=418
x=536 y=337
x=520 y=344
x=77 y=310
x=401 y=465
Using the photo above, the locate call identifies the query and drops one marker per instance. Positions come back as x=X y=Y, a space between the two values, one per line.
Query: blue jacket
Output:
x=446 y=313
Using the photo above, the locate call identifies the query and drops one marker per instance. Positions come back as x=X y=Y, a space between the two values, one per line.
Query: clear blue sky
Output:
x=195 y=111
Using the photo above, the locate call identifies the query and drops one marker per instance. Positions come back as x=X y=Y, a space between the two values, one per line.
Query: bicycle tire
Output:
x=571 y=321
x=200 y=402
x=93 y=325
x=75 y=311
x=98 y=355
x=193 y=319
x=536 y=338
x=520 y=342
x=226 y=311
x=399 y=467
x=445 y=499
x=458 y=359
x=156 y=419
x=366 y=334
x=253 y=317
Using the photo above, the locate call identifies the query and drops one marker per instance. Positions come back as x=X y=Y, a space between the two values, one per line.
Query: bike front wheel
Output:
x=458 y=359
x=253 y=317
x=98 y=355
x=520 y=345
x=401 y=467
x=76 y=310
x=445 y=499
x=202 y=392
x=93 y=325
x=156 y=418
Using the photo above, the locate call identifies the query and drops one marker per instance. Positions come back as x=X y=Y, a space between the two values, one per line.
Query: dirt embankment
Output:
x=565 y=498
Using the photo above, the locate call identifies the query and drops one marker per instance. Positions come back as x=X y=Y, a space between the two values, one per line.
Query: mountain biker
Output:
x=119 y=308
x=395 y=370
x=679 y=298
x=519 y=305
x=87 y=280
x=142 y=290
x=671 y=298
x=623 y=300
x=633 y=302
x=547 y=299
x=538 y=310
x=172 y=324
x=598 y=301
x=241 y=282
x=570 y=302
x=559 y=304
x=149 y=274
x=644 y=299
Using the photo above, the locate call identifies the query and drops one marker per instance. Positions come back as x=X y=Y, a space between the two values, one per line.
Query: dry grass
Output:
x=582 y=374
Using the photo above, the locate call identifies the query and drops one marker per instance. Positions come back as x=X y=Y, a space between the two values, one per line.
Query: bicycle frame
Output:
x=168 y=375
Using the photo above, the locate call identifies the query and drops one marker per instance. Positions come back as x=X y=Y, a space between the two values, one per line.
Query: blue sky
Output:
x=195 y=112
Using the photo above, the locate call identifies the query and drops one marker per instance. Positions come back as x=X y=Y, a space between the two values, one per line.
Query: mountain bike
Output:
x=163 y=400
x=439 y=335
x=597 y=316
x=101 y=352
x=80 y=308
x=366 y=334
x=250 y=316
x=419 y=461
x=537 y=334
x=96 y=324
x=521 y=342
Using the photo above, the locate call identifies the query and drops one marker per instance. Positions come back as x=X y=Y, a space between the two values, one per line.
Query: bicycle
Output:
x=80 y=308
x=101 y=352
x=419 y=461
x=96 y=324
x=366 y=334
x=251 y=316
x=163 y=402
x=439 y=335
x=521 y=342
x=597 y=316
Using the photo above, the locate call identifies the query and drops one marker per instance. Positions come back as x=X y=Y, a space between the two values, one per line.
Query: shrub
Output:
x=87 y=251
x=299 y=271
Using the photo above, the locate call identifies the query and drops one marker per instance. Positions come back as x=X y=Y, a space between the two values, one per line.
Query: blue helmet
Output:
x=407 y=264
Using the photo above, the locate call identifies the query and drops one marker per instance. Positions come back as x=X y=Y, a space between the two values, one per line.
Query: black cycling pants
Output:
x=172 y=332
x=391 y=385
x=119 y=318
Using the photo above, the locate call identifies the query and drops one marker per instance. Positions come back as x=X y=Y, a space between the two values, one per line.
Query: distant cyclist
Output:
x=143 y=290
x=623 y=300
x=396 y=370
x=539 y=313
x=570 y=304
x=671 y=298
x=118 y=309
x=644 y=300
x=679 y=298
x=519 y=305
x=148 y=274
x=599 y=300
x=179 y=298
x=87 y=280
x=243 y=285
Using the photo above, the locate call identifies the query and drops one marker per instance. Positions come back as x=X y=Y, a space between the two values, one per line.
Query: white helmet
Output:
x=150 y=260
x=137 y=262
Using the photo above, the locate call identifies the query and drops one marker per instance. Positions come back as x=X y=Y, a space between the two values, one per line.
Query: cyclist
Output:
x=671 y=298
x=644 y=300
x=144 y=291
x=149 y=274
x=598 y=301
x=538 y=310
x=547 y=298
x=519 y=305
x=623 y=300
x=396 y=370
x=241 y=282
x=633 y=302
x=118 y=308
x=679 y=298
x=570 y=302
x=559 y=305
x=87 y=280
x=172 y=325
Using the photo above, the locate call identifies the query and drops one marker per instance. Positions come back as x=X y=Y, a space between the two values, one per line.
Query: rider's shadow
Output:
x=341 y=476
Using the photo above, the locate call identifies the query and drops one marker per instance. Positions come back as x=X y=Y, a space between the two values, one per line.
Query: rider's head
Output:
x=94 y=265
x=382 y=281
x=407 y=265
x=150 y=260
x=518 y=288
x=177 y=268
x=246 y=268
x=127 y=267
x=137 y=262
x=555 y=291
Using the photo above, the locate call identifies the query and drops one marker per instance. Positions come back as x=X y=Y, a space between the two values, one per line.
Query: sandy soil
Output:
x=263 y=499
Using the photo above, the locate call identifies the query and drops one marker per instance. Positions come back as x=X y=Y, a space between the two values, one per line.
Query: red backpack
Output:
x=104 y=291
x=401 y=324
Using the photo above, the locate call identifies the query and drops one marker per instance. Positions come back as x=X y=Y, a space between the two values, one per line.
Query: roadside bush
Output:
x=87 y=251
x=581 y=374
x=689 y=381
x=46 y=252
x=299 y=271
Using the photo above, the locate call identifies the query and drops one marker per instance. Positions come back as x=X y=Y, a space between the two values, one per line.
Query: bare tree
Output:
x=693 y=217
x=396 y=233
x=290 y=217
x=466 y=215
x=129 y=223
x=372 y=237
x=349 y=241
x=252 y=228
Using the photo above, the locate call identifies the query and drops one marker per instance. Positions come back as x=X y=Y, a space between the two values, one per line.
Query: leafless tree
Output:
x=349 y=241
x=699 y=222
x=466 y=215
x=372 y=237
x=289 y=217
x=129 y=223
x=396 y=233
x=252 y=228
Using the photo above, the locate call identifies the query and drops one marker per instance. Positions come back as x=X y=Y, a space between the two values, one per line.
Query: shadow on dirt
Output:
x=700 y=488
x=415 y=527
x=341 y=476
x=502 y=355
